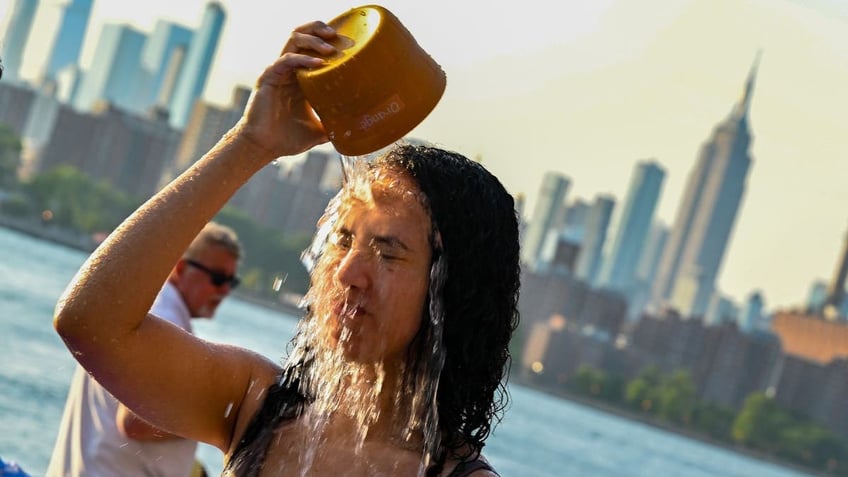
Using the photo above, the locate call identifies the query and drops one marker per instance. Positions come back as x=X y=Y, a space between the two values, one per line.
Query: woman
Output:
x=397 y=368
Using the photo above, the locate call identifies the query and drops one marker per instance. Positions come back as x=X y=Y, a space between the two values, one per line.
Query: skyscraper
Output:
x=198 y=62
x=632 y=225
x=594 y=238
x=836 y=286
x=162 y=60
x=690 y=264
x=114 y=72
x=67 y=44
x=15 y=37
x=574 y=218
x=654 y=246
x=546 y=214
x=753 y=313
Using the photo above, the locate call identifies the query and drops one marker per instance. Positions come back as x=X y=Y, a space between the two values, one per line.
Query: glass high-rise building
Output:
x=67 y=44
x=114 y=73
x=632 y=226
x=162 y=61
x=692 y=259
x=547 y=213
x=654 y=246
x=594 y=237
x=198 y=63
x=15 y=37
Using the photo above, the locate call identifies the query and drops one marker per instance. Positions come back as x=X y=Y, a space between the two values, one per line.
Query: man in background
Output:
x=98 y=435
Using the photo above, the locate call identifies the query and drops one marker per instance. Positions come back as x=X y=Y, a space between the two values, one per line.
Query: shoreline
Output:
x=50 y=233
x=658 y=424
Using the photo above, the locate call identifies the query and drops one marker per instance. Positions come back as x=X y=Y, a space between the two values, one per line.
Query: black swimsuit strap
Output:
x=465 y=468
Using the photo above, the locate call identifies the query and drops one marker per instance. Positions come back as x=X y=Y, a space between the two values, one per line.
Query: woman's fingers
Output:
x=312 y=36
x=280 y=71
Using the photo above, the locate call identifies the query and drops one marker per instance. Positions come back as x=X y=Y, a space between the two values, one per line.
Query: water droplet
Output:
x=278 y=282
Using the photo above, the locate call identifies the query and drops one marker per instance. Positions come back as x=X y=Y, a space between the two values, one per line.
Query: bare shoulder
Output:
x=483 y=473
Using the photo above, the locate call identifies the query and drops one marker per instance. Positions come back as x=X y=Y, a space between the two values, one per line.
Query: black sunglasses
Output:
x=217 y=278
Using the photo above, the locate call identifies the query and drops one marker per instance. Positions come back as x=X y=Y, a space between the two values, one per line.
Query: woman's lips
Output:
x=345 y=309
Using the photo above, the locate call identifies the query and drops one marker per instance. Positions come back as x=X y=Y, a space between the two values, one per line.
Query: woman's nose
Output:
x=354 y=269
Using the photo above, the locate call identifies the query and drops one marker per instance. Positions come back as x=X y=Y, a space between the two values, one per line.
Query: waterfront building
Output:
x=125 y=150
x=811 y=337
x=814 y=389
x=690 y=266
x=15 y=104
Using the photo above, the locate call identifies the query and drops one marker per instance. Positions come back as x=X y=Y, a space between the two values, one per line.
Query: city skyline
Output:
x=627 y=82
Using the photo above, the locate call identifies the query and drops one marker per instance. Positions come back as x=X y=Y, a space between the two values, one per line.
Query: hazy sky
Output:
x=587 y=88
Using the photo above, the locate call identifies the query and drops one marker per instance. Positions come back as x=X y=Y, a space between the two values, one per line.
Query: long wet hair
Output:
x=476 y=225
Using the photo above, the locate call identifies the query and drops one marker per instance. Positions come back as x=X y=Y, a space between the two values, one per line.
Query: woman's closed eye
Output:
x=342 y=239
x=388 y=248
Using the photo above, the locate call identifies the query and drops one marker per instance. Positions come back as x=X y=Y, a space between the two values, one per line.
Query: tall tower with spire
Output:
x=836 y=287
x=690 y=264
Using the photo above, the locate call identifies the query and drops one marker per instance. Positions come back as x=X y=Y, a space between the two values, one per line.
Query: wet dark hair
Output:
x=476 y=223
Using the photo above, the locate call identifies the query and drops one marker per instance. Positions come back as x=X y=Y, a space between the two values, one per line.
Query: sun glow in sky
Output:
x=590 y=88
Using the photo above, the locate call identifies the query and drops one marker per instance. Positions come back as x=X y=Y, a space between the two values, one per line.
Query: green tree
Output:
x=676 y=398
x=586 y=381
x=16 y=205
x=640 y=393
x=759 y=423
x=76 y=201
x=811 y=445
x=714 y=420
x=10 y=157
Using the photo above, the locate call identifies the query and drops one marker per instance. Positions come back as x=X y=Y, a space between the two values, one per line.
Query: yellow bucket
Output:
x=377 y=88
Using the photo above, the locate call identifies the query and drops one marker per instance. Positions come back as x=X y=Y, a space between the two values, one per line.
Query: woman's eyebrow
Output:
x=390 y=241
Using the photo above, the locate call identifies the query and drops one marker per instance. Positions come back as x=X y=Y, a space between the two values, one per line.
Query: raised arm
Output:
x=170 y=378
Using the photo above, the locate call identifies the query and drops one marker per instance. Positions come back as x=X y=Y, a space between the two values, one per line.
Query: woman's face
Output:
x=374 y=273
